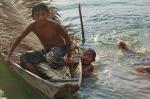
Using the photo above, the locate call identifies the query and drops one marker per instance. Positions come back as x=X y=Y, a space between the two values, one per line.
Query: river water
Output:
x=106 y=22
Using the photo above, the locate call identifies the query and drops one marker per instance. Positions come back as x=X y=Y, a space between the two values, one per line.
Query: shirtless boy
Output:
x=124 y=48
x=51 y=35
x=87 y=58
x=142 y=68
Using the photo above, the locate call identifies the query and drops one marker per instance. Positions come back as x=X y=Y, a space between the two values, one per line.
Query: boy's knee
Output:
x=31 y=57
x=23 y=60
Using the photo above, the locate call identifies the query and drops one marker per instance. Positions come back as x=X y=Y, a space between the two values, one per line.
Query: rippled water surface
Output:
x=105 y=22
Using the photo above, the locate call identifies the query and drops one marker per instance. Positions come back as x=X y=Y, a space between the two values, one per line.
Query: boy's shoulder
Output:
x=53 y=21
x=89 y=66
x=49 y=21
x=33 y=25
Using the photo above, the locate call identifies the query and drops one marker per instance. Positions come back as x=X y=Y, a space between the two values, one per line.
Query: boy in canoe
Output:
x=51 y=35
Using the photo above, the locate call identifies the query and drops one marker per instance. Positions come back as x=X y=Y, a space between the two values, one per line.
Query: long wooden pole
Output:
x=82 y=28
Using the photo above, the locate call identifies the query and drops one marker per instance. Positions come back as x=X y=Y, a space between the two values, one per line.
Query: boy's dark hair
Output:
x=38 y=7
x=122 y=45
x=92 y=51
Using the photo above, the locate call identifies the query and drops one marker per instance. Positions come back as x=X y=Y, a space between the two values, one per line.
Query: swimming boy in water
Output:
x=144 y=65
x=143 y=69
x=51 y=35
x=87 y=58
x=124 y=48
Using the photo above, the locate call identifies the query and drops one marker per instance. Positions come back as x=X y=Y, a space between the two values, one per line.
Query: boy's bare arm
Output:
x=65 y=36
x=18 y=40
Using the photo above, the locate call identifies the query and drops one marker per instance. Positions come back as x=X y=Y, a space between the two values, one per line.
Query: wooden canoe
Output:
x=56 y=86
x=13 y=22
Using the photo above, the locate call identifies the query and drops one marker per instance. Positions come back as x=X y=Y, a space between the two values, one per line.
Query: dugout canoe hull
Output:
x=53 y=88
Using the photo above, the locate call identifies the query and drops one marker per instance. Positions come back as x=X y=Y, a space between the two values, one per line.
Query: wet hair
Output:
x=122 y=45
x=92 y=51
x=38 y=7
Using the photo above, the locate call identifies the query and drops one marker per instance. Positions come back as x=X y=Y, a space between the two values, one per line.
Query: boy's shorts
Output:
x=36 y=57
